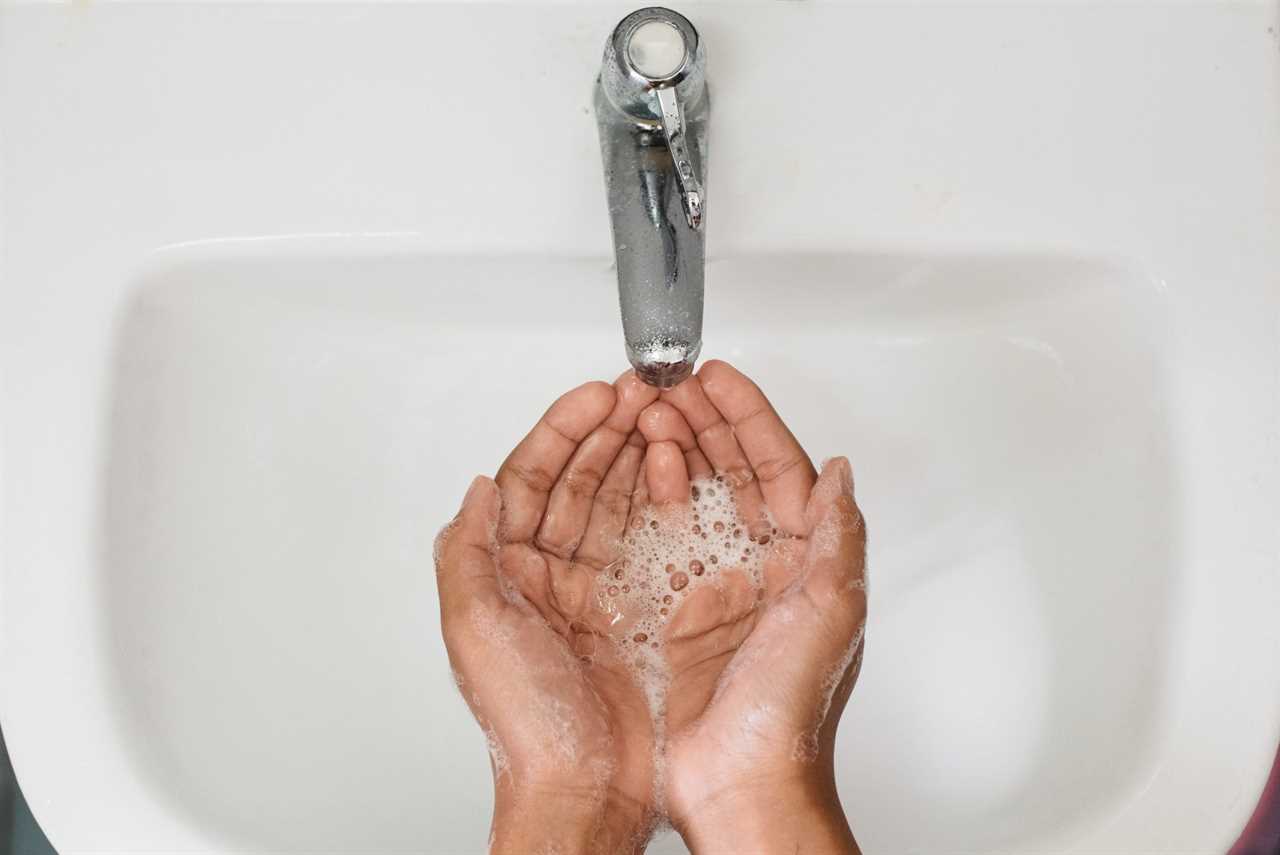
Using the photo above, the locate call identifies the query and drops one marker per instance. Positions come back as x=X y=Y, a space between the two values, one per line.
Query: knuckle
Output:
x=535 y=477
x=615 y=503
x=773 y=468
x=717 y=431
x=555 y=544
x=583 y=481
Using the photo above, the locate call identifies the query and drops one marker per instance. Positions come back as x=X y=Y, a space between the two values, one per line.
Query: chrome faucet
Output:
x=651 y=109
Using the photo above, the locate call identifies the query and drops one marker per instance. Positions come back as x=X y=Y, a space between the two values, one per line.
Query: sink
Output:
x=284 y=439
x=244 y=308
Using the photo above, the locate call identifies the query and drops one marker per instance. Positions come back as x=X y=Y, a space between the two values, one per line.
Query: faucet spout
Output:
x=651 y=110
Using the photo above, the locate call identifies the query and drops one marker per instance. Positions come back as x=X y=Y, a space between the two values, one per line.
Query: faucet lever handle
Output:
x=673 y=128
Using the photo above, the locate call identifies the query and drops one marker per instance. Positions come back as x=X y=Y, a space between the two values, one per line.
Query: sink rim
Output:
x=1076 y=170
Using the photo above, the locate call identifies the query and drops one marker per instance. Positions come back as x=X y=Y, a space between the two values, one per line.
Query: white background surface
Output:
x=256 y=259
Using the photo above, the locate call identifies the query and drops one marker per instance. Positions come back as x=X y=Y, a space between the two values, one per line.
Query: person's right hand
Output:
x=568 y=727
x=757 y=688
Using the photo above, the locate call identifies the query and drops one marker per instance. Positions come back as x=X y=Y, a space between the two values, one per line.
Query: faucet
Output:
x=651 y=110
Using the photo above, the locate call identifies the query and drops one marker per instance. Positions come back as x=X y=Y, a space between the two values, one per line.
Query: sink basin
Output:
x=286 y=434
x=258 y=334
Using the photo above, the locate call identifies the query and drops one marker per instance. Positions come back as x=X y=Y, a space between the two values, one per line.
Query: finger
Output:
x=465 y=568
x=532 y=469
x=666 y=475
x=570 y=585
x=712 y=608
x=569 y=506
x=784 y=564
x=525 y=572
x=835 y=481
x=661 y=422
x=640 y=496
x=784 y=471
x=699 y=466
x=704 y=634
x=612 y=505
x=553 y=587
x=633 y=396
x=835 y=559
x=716 y=440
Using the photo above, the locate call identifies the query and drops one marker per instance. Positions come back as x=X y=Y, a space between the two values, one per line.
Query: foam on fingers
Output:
x=836 y=480
x=669 y=553
x=464 y=550
x=836 y=550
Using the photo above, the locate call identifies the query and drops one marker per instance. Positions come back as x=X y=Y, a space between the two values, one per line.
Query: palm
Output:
x=521 y=682
x=553 y=698
x=763 y=705
x=588 y=686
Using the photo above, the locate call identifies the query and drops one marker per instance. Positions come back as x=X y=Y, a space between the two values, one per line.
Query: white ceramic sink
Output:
x=262 y=321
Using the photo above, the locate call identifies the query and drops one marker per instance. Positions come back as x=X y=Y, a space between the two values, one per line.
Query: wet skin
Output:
x=757 y=683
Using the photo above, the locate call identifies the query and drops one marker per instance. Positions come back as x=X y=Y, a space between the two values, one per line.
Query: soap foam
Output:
x=665 y=557
x=806 y=746
x=497 y=754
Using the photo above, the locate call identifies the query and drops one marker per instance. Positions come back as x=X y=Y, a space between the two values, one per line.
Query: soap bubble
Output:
x=663 y=554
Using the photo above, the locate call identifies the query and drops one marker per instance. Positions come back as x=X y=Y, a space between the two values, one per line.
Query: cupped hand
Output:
x=569 y=731
x=759 y=680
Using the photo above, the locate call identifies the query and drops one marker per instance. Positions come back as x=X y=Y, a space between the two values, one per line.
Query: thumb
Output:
x=836 y=559
x=835 y=481
x=464 y=550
